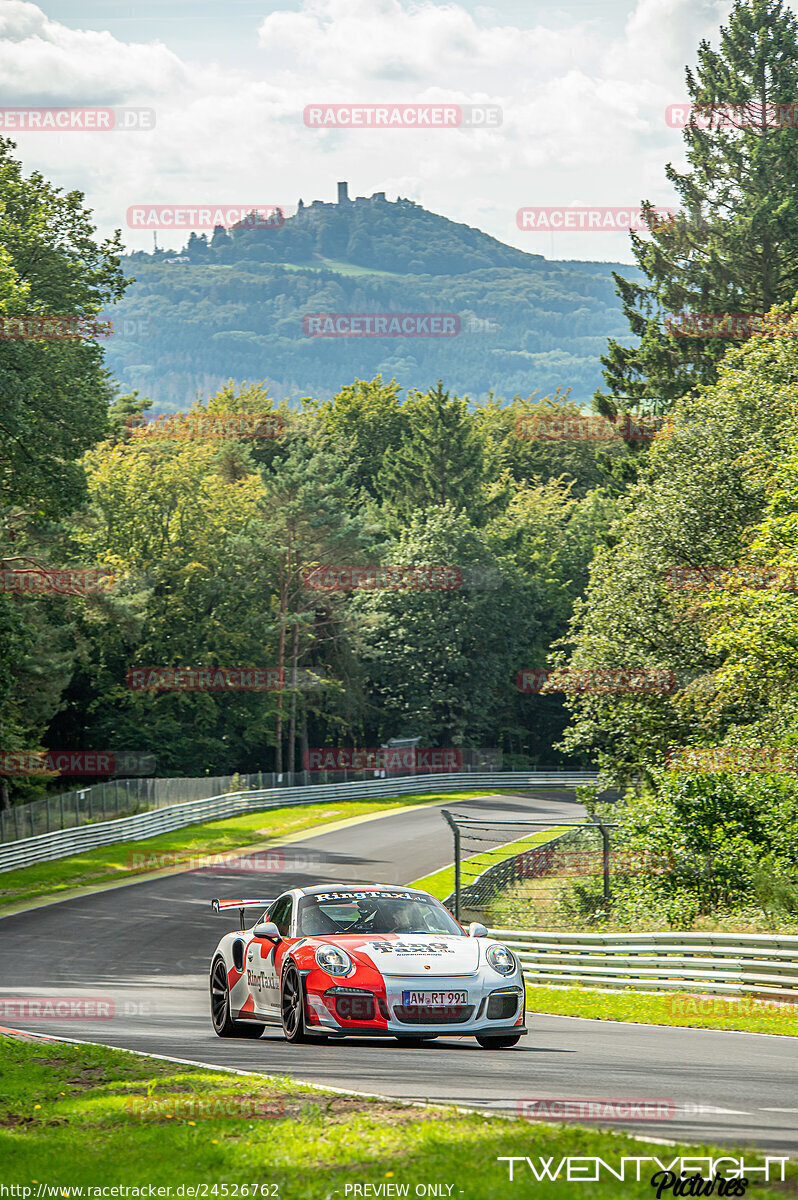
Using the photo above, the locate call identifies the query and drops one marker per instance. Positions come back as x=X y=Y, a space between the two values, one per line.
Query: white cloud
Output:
x=44 y=62
x=583 y=111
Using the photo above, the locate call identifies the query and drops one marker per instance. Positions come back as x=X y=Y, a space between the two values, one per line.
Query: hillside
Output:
x=234 y=306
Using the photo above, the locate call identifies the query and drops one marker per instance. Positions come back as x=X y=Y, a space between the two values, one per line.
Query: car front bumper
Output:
x=389 y=1019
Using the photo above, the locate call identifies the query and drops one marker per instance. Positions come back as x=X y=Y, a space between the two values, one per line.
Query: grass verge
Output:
x=749 y=1014
x=441 y=883
x=125 y=860
x=78 y=1116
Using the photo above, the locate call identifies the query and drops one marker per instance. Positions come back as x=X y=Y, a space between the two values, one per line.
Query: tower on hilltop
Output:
x=343 y=193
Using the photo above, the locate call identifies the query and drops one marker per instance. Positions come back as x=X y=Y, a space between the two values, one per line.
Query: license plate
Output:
x=435 y=999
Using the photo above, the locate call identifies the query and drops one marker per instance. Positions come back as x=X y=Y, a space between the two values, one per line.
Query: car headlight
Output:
x=334 y=960
x=501 y=959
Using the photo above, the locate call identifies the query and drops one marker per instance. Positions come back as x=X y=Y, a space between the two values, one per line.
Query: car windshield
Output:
x=374 y=913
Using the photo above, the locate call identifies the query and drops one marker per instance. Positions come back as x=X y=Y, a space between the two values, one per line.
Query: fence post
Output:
x=32 y=824
x=63 y=820
x=77 y=809
x=605 y=847
x=47 y=810
x=450 y=821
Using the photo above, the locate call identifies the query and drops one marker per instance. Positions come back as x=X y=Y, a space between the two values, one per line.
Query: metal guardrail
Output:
x=126 y=797
x=765 y=964
x=63 y=842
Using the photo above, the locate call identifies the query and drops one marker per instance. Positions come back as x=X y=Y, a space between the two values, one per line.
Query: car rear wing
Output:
x=241 y=905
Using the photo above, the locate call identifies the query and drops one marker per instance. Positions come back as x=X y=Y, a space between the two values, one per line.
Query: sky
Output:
x=582 y=91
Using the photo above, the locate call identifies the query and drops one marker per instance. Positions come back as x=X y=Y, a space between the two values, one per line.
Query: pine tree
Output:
x=733 y=246
x=438 y=461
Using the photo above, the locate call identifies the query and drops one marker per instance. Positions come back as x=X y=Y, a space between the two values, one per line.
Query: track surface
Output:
x=146 y=948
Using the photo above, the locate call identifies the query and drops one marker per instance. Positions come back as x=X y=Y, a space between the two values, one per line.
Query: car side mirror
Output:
x=477 y=930
x=268 y=931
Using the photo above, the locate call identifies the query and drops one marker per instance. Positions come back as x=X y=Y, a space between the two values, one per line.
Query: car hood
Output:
x=424 y=955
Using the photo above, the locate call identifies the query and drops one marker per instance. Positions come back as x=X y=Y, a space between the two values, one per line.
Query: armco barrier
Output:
x=766 y=964
x=144 y=825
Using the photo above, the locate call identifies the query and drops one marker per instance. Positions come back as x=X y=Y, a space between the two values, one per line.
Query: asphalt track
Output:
x=143 y=950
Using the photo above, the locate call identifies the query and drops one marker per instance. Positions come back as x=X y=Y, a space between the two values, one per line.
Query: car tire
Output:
x=503 y=1042
x=223 y=1023
x=292 y=1006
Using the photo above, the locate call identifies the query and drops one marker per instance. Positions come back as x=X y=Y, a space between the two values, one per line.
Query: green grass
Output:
x=125 y=860
x=72 y=1116
x=441 y=883
x=683 y=1009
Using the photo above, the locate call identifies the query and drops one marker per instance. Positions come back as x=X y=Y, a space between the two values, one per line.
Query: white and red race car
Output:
x=367 y=961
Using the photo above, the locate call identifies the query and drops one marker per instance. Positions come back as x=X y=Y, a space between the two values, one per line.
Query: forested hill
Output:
x=382 y=235
x=234 y=303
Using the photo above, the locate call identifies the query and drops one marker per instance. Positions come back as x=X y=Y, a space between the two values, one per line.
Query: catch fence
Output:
x=508 y=869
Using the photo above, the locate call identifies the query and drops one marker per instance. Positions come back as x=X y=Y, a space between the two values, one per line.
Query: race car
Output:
x=361 y=960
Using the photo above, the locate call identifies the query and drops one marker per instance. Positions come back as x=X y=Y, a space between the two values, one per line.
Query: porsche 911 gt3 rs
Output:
x=365 y=961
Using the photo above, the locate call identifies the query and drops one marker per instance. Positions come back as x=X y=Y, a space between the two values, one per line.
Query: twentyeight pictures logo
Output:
x=583 y=1169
